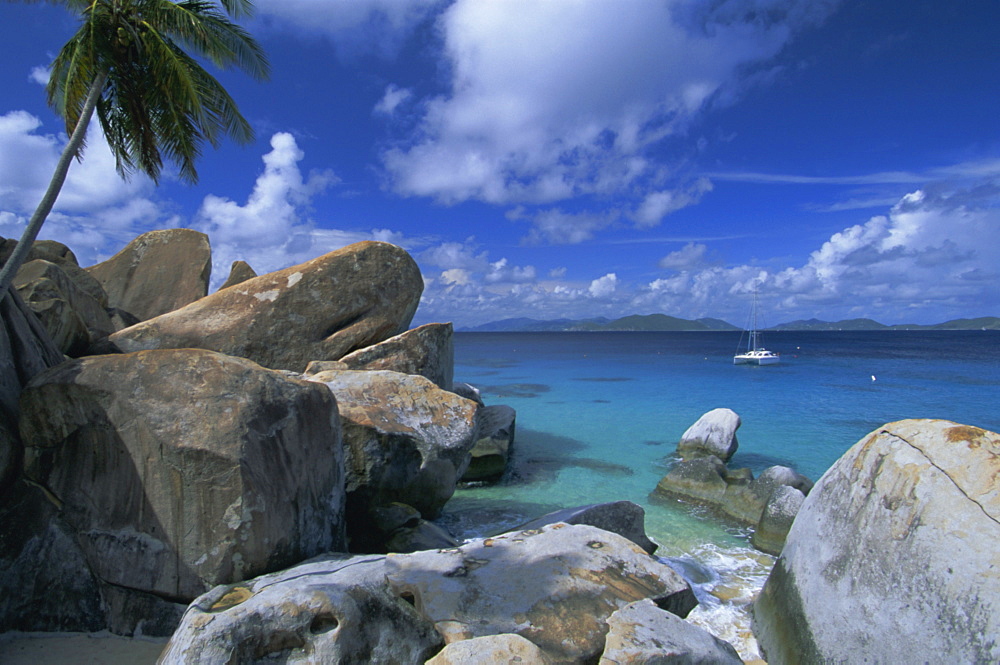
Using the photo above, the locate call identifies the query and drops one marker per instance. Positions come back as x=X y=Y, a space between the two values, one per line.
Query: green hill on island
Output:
x=665 y=323
x=816 y=324
x=636 y=322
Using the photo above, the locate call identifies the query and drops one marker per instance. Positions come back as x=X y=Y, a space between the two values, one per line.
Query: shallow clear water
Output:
x=599 y=415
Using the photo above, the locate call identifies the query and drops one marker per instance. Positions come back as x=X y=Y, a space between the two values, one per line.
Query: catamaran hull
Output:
x=745 y=359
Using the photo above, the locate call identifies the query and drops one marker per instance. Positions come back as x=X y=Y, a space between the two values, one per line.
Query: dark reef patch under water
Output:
x=526 y=390
x=601 y=379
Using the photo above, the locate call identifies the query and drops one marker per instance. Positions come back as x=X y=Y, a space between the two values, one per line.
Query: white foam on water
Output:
x=726 y=581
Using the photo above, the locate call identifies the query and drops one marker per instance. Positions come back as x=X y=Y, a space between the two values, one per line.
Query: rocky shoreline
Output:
x=253 y=474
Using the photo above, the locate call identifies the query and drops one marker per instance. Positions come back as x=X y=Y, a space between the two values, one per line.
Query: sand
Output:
x=78 y=649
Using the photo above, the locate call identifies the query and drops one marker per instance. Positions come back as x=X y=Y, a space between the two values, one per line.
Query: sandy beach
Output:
x=77 y=648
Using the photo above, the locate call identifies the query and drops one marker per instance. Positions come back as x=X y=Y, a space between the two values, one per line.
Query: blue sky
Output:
x=575 y=158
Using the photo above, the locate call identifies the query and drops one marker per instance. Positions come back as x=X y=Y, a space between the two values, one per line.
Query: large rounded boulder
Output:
x=323 y=309
x=712 y=434
x=178 y=470
x=157 y=272
x=405 y=440
x=333 y=609
x=893 y=556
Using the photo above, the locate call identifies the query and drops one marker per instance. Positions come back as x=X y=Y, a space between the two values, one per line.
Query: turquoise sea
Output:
x=599 y=416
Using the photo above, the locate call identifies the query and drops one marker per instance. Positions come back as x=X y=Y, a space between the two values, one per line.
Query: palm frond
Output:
x=159 y=103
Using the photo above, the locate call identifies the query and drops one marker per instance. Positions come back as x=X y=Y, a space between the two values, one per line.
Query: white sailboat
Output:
x=755 y=354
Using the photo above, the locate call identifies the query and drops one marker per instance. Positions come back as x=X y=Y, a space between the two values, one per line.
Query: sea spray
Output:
x=725 y=581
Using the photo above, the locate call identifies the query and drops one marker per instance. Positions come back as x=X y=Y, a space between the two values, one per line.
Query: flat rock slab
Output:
x=323 y=309
x=426 y=351
x=554 y=586
x=491 y=650
x=641 y=633
x=625 y=518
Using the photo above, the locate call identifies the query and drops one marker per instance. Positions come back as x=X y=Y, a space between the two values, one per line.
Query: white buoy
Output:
x=873 y=377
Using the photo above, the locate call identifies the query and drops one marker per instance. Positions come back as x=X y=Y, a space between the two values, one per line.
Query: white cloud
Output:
x=40 y=75
x=464 y=255
x=355 y=26
x=658 y=205
x=931 y=253
x=500 y=271
x=28 y=159
x=272 y=229
x=275 y=205
x=551 y=100
x=930 y=257
x=456 y=277
x=691 y=256
x=96 y=213
x=394 y=96
x=561 y=228
x=603 y=287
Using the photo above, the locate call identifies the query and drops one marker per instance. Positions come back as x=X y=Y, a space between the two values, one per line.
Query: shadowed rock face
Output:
x=181 y=469
x=62 y=256
x=893 y=555
x=73 y=317
x=491 y=453
x=319 y=310
x=157 y=272
x=25 y=350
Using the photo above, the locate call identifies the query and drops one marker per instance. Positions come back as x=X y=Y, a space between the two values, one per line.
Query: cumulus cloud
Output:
x=551 y=100
x=602 y=287
x=96 y=212
x=931 y=252
x=40 y=75
x=463 y=255
x=691 y=256
x=500 y=271
x=28 y=159
x=355 y=26
x=272 y=229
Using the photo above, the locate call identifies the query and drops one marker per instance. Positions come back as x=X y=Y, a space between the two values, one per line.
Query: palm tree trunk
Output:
x=55 y=185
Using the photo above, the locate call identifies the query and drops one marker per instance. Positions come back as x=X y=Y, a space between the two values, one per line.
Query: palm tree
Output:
x=129 y=60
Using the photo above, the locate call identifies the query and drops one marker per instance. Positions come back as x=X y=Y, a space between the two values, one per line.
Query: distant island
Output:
x=664 y=323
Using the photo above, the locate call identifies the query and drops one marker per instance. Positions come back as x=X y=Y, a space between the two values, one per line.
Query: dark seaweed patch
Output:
x=516 y=389
x=604 y=379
